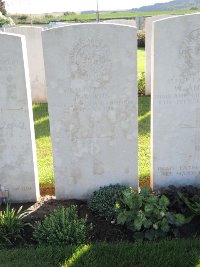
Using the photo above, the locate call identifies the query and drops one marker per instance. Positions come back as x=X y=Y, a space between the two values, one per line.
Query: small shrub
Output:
x=141 y=38
x=62 y=226
x=102 y=201
x=68 y=13
x=147 y=215
x=11 y=225
x=48 y=16
x=141 y=83
x=23 y=17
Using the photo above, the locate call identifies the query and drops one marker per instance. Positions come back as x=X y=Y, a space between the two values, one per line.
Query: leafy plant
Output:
x=102 y=202
x=147 y=215
x=194 y=207
x=5 y=20
x=11 y=224
x=141 y=83
x=62 y=226
x=176 y=204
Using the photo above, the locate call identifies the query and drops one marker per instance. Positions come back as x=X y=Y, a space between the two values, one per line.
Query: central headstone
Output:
x=92 y=92
x=176 y=102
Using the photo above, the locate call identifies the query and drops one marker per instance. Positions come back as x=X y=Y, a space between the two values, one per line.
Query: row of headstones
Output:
x=91 y=75
x=36 y=60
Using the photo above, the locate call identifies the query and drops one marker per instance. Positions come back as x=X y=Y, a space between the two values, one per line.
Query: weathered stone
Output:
x=92 y=91
x=18 y=171
x=148 y=46
x=128 y=22
x=176 y=102
x=35 y=60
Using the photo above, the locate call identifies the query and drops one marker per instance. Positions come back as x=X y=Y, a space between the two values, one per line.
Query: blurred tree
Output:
x=2 y=7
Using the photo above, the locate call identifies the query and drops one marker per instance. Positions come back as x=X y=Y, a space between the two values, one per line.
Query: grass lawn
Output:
x=44 y=147
x=92 y=17
x=141 y=60
x=174 y=253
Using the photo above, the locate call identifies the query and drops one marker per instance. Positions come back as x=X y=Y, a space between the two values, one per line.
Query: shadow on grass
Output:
x=41 y=120
x=144 y=115
x=40 y=111
x=144 y=124
x=144 y=103
x=42 y=128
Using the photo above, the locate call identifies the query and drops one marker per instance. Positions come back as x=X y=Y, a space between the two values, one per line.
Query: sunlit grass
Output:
x=43 y=144
x=76 y=255
x=141 y=59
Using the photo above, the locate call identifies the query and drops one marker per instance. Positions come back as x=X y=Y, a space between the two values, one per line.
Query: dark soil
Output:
x=102 y=230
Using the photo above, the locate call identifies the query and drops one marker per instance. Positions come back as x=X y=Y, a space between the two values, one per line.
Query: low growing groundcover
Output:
x=166 y=253
x=102 y=230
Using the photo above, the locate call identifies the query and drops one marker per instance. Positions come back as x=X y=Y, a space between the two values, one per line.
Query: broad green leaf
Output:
x=164 y=202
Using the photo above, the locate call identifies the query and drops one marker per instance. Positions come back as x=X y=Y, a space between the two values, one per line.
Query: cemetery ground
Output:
x=108 y=244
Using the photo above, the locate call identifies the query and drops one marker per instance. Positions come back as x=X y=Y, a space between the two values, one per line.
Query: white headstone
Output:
x=18 y=169
x=148 y=46
x=92 y=91
x=128 y=22
x=176 y=102
x=35 y=60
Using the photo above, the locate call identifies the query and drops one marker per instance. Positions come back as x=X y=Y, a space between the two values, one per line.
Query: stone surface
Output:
x=176 y=102
x=18 y=172
x=128 y=22
x=92 y=94
x=35 y=60
x=148 y=45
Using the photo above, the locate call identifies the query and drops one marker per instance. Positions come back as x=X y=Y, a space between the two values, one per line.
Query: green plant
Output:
x=23 y=17
x=48 y=16
x=141 y=83
x=5 y=20
x=147 y=215
x=141 y=38
x=62 y=226
x=193 y=206
x=102 y=202
x=176 y=203
x=11 y=224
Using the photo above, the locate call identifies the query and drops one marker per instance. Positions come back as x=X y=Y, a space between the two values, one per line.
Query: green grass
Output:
x=174 y=253
x=141 y=59
x=44 y=147
x=43 y=144
x=104 y=16
x=144 y=137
